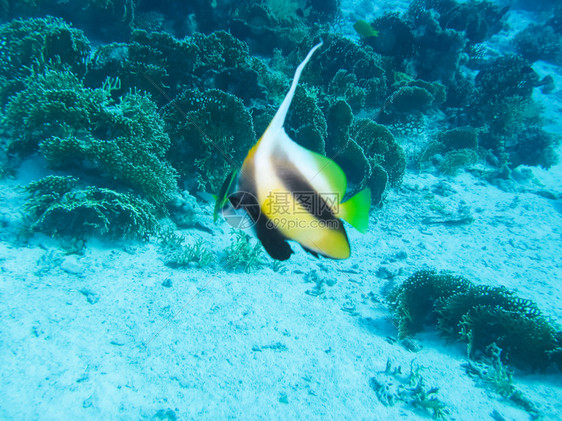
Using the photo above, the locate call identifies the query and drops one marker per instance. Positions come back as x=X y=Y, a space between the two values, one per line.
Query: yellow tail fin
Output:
x=356 y=210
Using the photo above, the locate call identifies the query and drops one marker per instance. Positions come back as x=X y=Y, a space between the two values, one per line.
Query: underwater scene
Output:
x=280 y=210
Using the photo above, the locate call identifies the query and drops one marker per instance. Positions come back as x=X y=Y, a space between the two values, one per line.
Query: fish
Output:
x=365 y=29
x=284 y=192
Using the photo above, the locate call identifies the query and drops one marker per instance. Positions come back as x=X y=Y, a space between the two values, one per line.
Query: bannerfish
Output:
x=365 y=29
x=286 y=192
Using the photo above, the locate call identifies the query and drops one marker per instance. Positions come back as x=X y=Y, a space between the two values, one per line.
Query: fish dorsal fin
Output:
x=279 y=118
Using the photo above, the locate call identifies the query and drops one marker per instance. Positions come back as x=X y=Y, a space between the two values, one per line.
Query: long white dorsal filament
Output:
x=279 y=118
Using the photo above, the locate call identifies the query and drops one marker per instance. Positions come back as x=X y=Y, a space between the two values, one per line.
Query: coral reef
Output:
x=395 y=37
x=305 y=121
x=479 y=316
x=161 y=64
x=381 y=148
x=478 y=20
x=265 y=30
x=412 y=97
x=452 y=149
x=539 y=42
x=507 y=76
x=211 y=133
x=345 y=70
x=117 y=15
x=30 y=45
x=508 y=118
x=58 y=206
x=84 y=130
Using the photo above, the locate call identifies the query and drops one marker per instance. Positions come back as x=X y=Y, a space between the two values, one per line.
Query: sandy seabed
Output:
x=112 y=332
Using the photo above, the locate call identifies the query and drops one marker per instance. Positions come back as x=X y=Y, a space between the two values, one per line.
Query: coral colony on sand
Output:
x=126 y=117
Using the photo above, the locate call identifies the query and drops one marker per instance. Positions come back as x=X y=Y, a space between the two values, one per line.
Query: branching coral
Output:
x=58 y=207
x=211 y=132
x=34 y=44
x=40 y=41
x=197 y=253
x=380 y=148
x=392 y=386
x=157 y=62
x=478 y=315
x=539 y=42
x=479 y=20
x=242 y=254
x=83 y=129
x=305 y=121
x=494 y=375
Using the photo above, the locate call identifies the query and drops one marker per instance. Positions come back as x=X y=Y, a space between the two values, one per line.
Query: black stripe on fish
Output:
x=304 y=193
x=274 y=243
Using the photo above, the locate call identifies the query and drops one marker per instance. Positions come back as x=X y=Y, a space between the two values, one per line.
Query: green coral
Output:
x=58 y=207
x=494 y=375
x=455 y=160
x=305 y=121
x=367 y=151
x=381 y=148
x=413 y=302
x=352 y=72
x=28 y=45
x=392 y=386
x=242 y=254
x=478 y=315
x=255 y=24
x=185 y=255
x=539 y=42
x=46 y=191
x=458 y=138
x=458 y=148
x=413 y=97
x=85 y=130
x=345 y=86
x=159 y=63
x=40 y=41
x=211 y=133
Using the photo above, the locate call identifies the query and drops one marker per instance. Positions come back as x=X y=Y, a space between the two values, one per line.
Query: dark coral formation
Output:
x=30 y=45
x=211 y=132
x=58 y=206
x=479 y=316
x=84 y=130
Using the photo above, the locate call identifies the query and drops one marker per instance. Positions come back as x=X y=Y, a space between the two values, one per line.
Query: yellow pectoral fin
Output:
x=356 y=210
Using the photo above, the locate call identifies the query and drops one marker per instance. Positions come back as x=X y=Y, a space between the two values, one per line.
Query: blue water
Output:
x=191 y=228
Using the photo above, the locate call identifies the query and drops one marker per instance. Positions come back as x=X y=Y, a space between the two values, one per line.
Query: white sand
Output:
x=78 y=332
